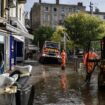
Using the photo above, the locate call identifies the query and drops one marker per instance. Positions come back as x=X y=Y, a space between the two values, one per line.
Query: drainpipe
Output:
x=17 y=9
x=8 y=8
x=40 y=1
x=57 y=2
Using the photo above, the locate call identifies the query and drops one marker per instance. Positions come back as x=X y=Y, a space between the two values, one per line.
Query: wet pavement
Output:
x=57 y=87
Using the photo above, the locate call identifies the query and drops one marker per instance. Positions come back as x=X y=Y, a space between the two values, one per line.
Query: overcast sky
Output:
x=96 y=3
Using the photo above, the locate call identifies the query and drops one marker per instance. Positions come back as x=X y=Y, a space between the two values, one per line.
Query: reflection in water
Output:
x=92 y=96
x=64 y=81
x=55 y=90
x=63 y=88
x=89 y=95
x=101 y=97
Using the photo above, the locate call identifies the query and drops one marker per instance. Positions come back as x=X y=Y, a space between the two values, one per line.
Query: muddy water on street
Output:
x=66 y=88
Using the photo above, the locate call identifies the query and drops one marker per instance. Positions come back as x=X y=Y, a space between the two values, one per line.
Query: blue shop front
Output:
x=17 y=43
x=12 y=45
x=16 y=50
x=1 y=52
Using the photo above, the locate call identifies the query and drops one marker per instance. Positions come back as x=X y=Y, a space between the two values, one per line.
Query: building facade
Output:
x=12 y=33
x=44 y=14
x=101 y=15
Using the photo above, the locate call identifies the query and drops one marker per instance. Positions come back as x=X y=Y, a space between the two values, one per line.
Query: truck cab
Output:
x=51 y=52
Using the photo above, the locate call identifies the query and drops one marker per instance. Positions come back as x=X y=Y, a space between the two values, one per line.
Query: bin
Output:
x=7 y=99
x=23 y=95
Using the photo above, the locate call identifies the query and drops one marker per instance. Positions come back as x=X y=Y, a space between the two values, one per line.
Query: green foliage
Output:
x=82 y=27
x=58 y=36
x=41 y=34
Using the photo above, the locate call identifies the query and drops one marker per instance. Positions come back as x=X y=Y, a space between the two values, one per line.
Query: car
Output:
x=50 y=52
x=80 y=53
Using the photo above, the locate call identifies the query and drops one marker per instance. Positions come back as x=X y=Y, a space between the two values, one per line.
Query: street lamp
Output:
x=64 y=40
x=65 y=37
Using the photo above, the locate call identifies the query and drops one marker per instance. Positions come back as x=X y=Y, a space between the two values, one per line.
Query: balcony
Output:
x=22 y=1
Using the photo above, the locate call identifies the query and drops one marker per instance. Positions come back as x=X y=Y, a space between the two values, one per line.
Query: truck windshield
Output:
x=52 y=45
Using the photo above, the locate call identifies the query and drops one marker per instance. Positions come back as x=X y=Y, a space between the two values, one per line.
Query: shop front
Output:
x=12 y=45
x=1 y=53
x=17 y=44
x=4 y=51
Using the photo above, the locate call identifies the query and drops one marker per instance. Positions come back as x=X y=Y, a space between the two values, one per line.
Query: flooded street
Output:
x=67 y=87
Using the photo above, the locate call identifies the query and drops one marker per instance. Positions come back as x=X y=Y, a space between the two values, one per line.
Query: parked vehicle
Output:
x=80 y=53
x=50 y=52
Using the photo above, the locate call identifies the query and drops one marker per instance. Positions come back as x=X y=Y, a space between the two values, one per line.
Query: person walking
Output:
x=63 y=59
x=89 y=64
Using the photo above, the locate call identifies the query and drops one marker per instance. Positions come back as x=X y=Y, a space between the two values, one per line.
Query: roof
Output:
x=97 y=13
x=60 y=4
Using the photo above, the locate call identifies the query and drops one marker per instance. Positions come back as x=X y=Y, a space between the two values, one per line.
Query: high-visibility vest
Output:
x=63 y=56
x=89 y=65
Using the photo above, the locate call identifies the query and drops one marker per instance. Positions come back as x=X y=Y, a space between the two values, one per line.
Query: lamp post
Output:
x=64 y=40
x=65 y=37
x=91 y=8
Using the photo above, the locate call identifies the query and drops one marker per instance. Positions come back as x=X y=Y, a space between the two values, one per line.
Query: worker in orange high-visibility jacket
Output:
x=63 y=59
x=89 y=65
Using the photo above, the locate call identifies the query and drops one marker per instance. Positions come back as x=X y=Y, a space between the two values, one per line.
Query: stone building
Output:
x=46 y=14
x=97 y=13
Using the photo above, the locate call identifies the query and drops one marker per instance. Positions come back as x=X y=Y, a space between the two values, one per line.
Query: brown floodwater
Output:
x=67 y=87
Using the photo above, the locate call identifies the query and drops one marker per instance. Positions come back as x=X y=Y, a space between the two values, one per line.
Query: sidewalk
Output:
x=36 y=74
x=31 y=62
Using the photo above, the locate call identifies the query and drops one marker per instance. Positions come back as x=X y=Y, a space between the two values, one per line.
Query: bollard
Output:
x=75 y=64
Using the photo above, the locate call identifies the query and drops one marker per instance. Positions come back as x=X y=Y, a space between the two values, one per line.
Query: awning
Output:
x=19 y=38
x=19 y=25
x=2 y=20
x=18 y=31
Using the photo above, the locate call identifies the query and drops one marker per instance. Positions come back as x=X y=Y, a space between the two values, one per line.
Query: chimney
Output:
x=40 y=1
x=57 y=2
x=80 y=4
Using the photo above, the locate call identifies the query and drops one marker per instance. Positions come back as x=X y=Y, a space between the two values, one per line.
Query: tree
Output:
x=83 y=27
x=41 y=34
x=58 y=36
